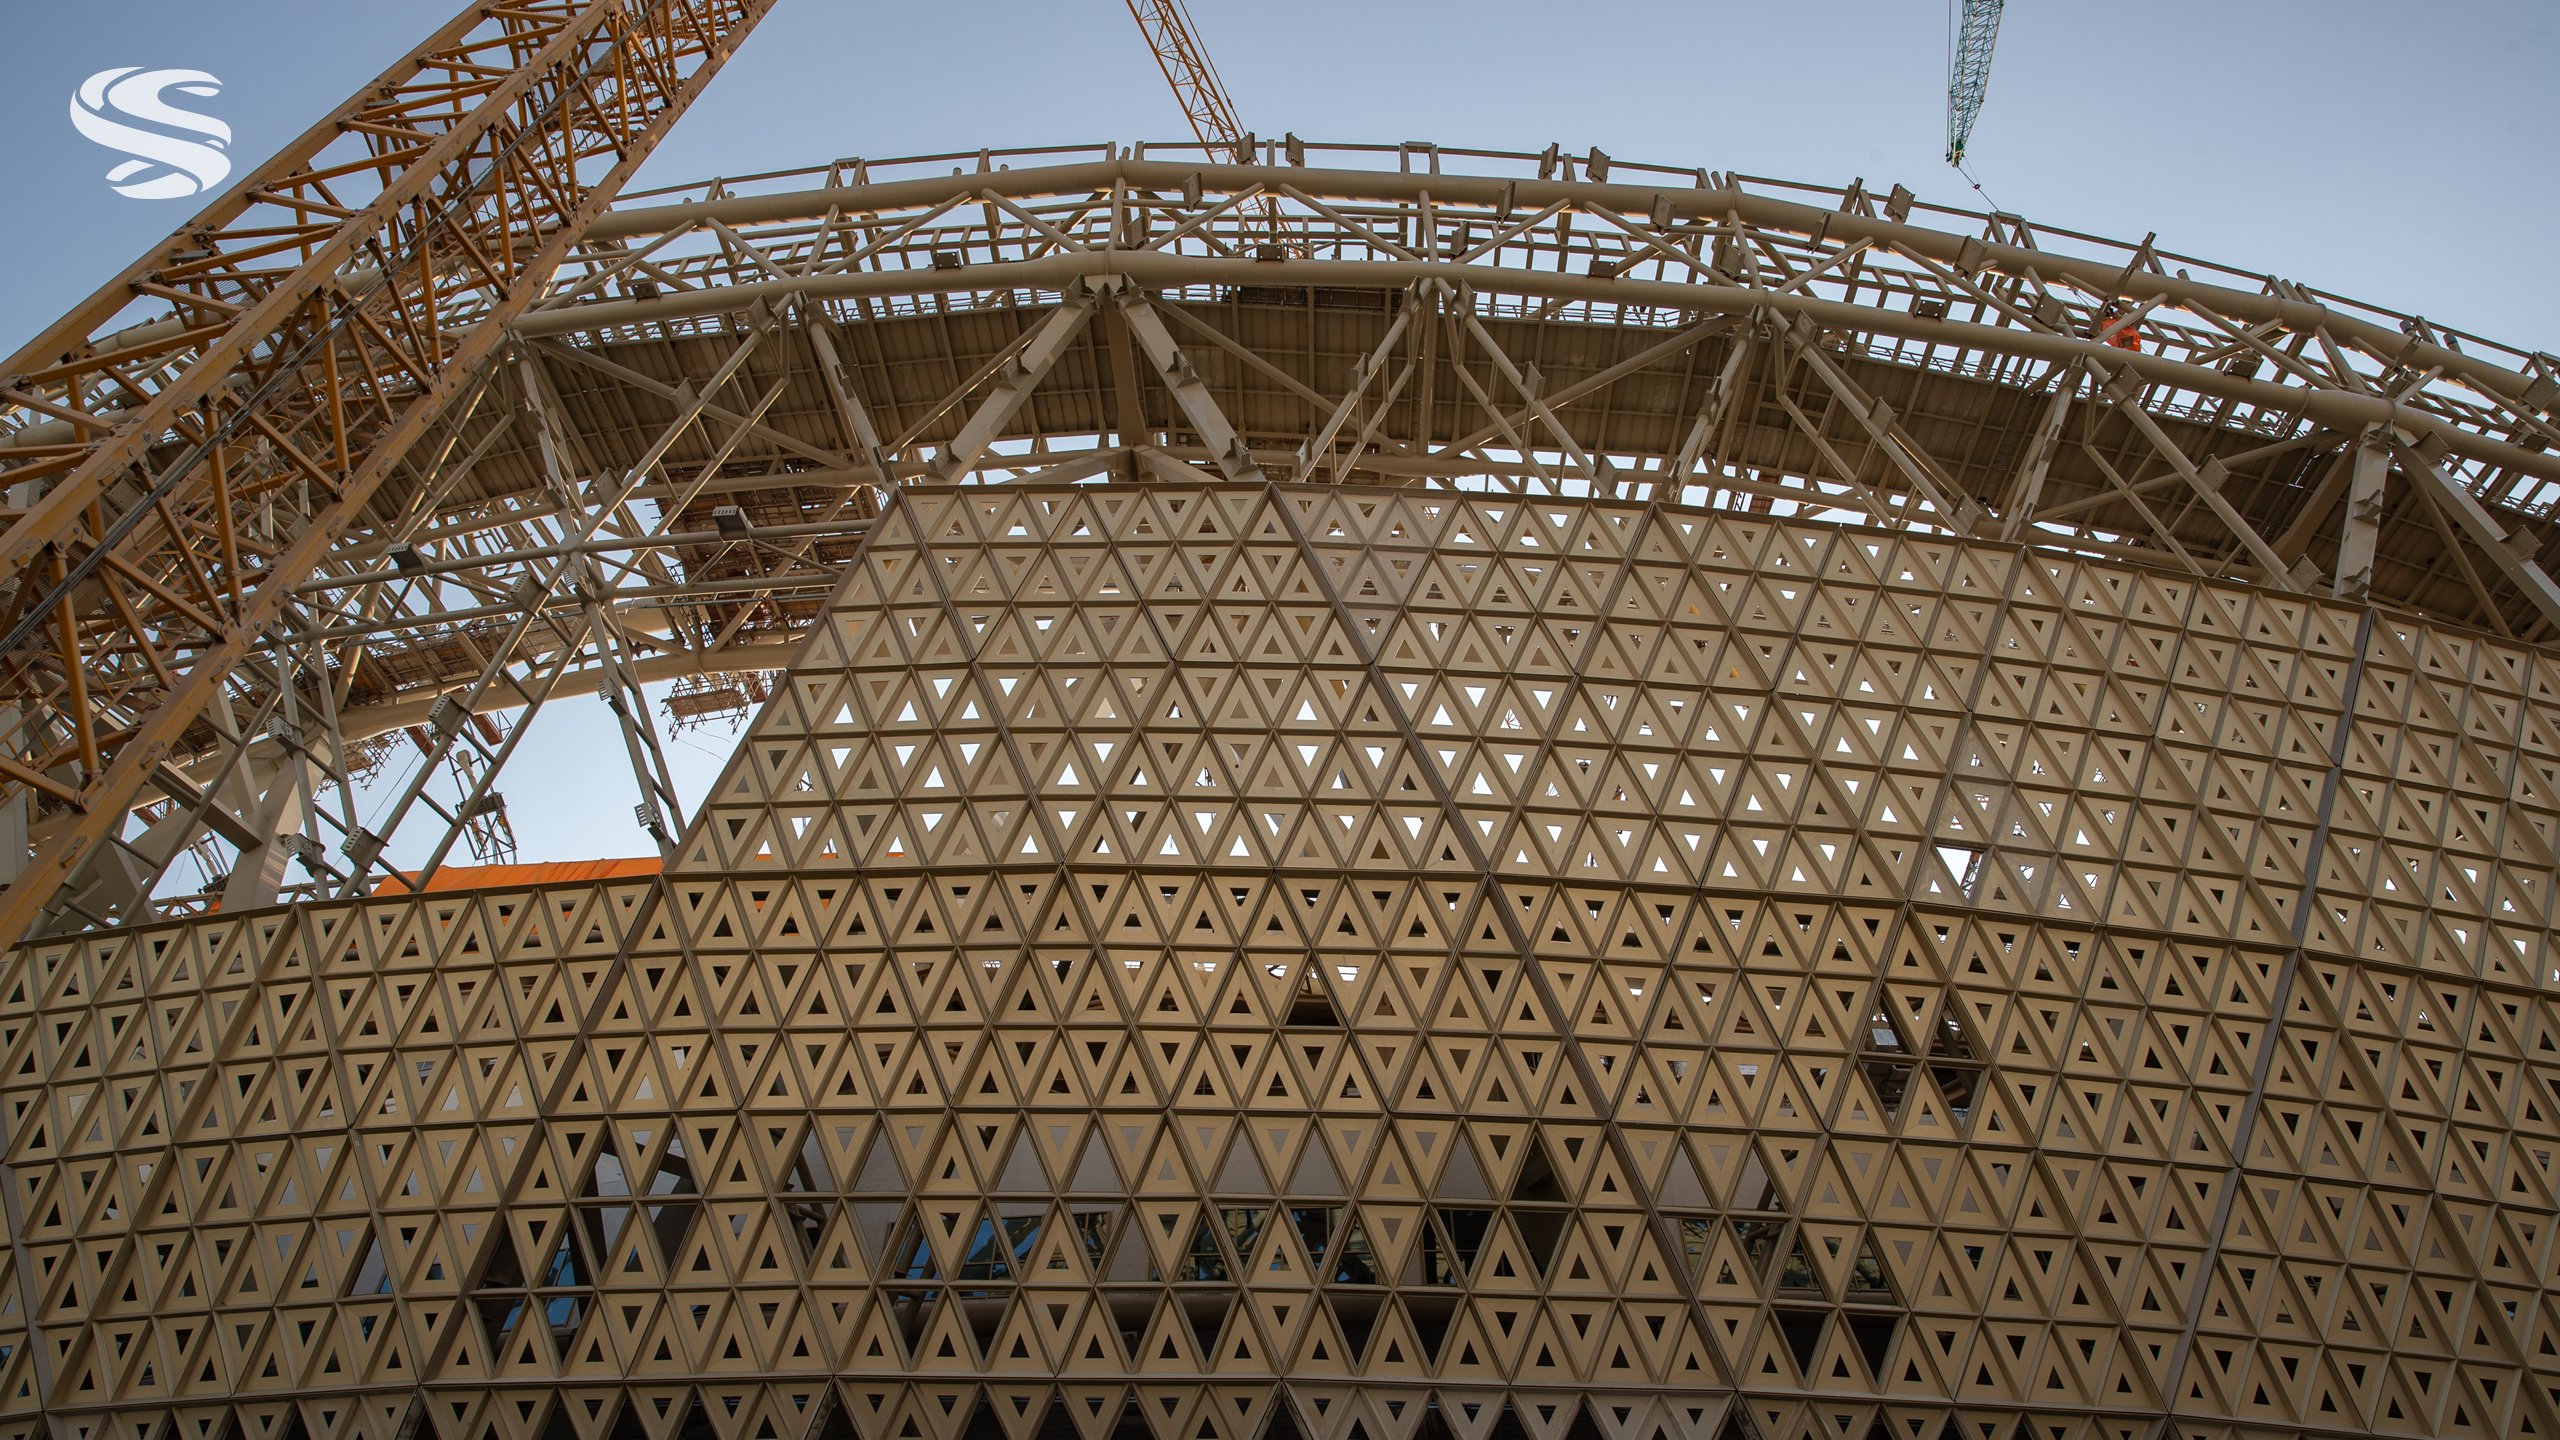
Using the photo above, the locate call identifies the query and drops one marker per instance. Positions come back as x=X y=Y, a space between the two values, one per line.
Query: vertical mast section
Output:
x=168 y=483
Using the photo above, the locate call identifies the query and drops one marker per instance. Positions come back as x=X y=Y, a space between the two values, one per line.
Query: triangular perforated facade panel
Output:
x=1220 y=962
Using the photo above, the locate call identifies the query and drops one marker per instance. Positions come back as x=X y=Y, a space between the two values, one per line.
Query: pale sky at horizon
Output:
x=2391 y=152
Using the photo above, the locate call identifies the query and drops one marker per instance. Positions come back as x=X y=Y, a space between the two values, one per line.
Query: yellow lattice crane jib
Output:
x=1202 y=95
x=1187 y=67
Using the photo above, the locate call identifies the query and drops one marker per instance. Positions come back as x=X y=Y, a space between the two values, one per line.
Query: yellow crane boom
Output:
x=1166 y=24
x=1187 y=68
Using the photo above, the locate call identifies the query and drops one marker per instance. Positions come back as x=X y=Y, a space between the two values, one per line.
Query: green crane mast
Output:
x=1968 y=71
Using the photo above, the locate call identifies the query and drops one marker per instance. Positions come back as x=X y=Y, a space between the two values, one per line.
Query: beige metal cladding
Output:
x=1224 y=961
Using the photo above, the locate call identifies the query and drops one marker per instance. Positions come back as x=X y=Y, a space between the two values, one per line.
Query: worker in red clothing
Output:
x=2128 y=338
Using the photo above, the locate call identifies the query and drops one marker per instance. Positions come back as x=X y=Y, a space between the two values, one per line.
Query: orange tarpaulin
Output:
x=511 y=877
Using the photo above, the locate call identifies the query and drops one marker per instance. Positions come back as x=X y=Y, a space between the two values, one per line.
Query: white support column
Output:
x=1314 y=451
x=860 y=432
x=1955 y=510
x=2039 y=462
x=1198 y=406
x=2513 y=553
x=2124 y=390
x=2361 y=534
x=1015 y=382
x=16 y=810
x=274 y=821
x=660 y=810
x=1706 y=437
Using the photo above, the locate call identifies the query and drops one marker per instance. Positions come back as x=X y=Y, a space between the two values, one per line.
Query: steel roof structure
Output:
x=779 y=346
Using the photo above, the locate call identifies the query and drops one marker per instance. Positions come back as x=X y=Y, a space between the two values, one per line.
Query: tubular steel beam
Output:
x=1708 y=203
x=1157 y=270
x=1198 y=407
x=2511 y=553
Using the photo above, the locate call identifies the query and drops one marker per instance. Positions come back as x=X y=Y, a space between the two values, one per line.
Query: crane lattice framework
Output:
x=412 y=434
x=1969 y=71
x=1171 y=38
x=306 y=355
x=1175 y=42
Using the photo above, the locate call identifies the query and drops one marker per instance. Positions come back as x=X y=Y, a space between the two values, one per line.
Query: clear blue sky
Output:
x=2389 y=150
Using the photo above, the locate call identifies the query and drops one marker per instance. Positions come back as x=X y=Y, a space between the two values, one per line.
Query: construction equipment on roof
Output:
x=696 y=701
x=1977 y=29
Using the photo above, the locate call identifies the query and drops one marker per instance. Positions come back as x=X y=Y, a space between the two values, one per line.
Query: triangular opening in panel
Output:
x=1537 y=1182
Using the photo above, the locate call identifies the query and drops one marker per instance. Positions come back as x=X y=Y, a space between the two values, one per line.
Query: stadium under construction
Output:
x=1386 y=793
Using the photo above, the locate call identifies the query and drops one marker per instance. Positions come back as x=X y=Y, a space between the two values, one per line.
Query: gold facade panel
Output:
x=1218 y=962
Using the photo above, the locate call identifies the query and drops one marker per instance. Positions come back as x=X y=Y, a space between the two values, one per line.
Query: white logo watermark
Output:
x=165 y=167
